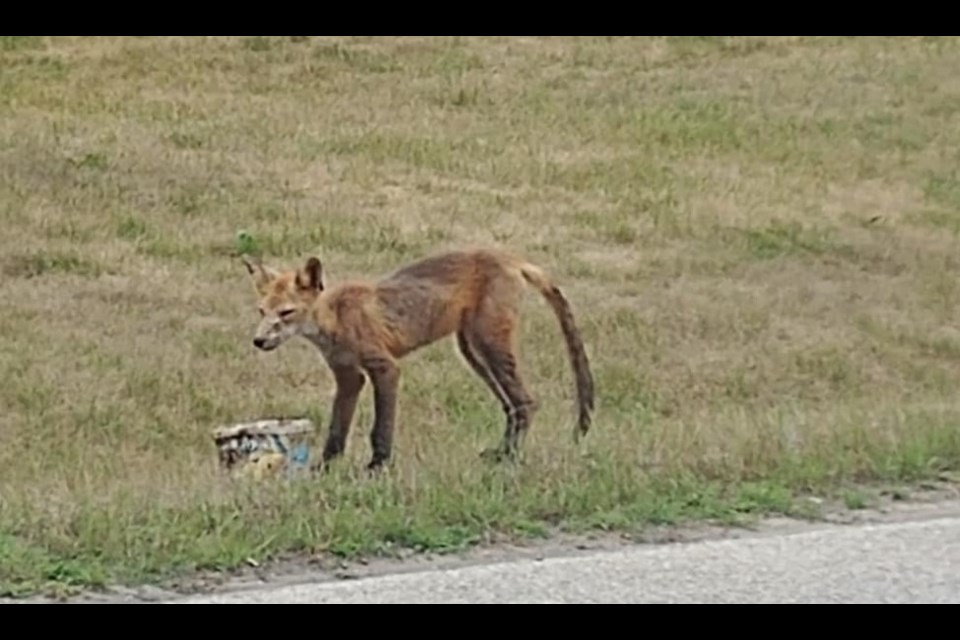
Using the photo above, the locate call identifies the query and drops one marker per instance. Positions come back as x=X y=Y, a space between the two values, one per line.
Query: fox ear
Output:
x=311 y=277
x=262 y=275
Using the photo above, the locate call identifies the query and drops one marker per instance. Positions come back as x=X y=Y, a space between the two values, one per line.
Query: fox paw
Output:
x=497 y=455
x=376 y=467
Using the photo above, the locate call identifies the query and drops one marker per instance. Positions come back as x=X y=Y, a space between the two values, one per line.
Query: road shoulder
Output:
x=931 y=503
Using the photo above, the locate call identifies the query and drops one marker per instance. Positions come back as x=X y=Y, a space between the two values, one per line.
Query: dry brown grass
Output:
x=759 y=236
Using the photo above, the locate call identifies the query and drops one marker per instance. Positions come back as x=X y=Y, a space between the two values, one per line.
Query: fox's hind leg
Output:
x=480 y=368
x=520 y=406
x=491 y=334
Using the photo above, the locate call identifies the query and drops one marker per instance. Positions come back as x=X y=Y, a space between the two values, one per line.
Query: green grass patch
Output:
x=15 y=43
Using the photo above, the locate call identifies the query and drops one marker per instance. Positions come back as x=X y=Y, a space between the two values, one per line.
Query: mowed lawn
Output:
x=759 y=236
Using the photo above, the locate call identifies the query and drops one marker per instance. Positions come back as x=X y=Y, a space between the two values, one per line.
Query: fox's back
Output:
x=428 y=299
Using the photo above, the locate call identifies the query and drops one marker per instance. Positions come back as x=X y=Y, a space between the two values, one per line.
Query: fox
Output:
x=363 y=328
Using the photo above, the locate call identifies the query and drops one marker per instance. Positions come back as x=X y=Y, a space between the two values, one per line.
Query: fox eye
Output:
x=286 y=313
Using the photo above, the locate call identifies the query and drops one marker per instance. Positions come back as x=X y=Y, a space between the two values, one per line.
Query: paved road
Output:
x=905 y=562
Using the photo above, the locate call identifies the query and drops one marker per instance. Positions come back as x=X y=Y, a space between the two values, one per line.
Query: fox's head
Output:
x=285 y=298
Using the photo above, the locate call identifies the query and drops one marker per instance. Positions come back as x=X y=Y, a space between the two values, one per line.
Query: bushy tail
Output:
x=578 y=356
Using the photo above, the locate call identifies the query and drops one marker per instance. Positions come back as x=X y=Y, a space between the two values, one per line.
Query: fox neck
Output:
x=313 y=334
x=316 y=327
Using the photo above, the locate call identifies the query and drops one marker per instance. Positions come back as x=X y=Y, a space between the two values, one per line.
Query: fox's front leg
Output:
x=385 y=376
x=350 y=382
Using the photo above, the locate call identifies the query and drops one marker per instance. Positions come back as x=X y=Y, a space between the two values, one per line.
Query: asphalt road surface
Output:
x=899 y=562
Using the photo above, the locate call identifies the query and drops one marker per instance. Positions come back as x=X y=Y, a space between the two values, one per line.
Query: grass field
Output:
x=759 y=235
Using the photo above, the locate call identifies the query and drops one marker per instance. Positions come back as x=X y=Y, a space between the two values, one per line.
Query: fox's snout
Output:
x=267 y=344
x=271 y=334
x=267 y=341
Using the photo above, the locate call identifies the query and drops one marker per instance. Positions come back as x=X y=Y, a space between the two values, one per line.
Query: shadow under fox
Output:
x=364 y=328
